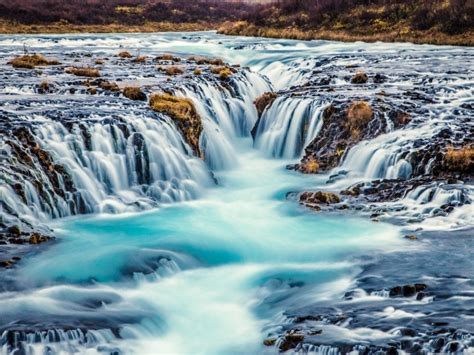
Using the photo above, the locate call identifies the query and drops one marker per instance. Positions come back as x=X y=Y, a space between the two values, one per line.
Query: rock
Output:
x=379 y=78
x=411 y=237
x=291 y=341
x=269 y=342
x=37 y=238
x=15 y=230
x=359 y=78
x=406 y=290
x=134 y=93
x=309 y=166
x=5 y=263
x=319 y=197
x=184 y=114
x=358 y=116
x=264 y=102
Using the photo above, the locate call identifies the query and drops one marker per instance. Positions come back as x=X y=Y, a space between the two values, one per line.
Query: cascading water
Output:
x=233 y=263
x=226 y=115
x=288 y=126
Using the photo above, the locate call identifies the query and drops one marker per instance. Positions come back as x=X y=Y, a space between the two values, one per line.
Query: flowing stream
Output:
x=207 y=268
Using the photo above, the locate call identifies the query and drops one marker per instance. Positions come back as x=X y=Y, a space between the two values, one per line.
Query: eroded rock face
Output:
x=264 y=101
x=344 y=125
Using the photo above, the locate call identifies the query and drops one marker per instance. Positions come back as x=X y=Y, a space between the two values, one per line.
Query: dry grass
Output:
x=359 y=115
x=43 y=87
x=85 y=71
x=171 y=70
x=223 y=72
x=393 y=34
x=206 y=61
x=183 y=112
x=264 y=101
x=168 y=58
x=31 y=61
x=460 y=159
x=124 y=54
x=109 y=86
x=139 y=59
x=309 y=166
x=134 y=93
x=359 y=78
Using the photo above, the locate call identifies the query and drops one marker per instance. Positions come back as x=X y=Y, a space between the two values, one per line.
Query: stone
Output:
x=359 y=78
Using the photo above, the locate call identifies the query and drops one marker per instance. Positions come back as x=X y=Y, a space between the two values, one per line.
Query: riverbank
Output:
x=394 y=34
x=7 y=27
x=242 y=28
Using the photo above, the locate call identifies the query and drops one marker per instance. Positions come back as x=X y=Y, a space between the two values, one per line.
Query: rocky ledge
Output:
x=384 y=138
x=82 y=95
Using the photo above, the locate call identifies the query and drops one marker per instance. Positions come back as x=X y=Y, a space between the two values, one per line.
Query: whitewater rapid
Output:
x=189 y=255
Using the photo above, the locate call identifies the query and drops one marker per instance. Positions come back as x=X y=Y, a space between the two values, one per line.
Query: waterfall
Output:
x=130 y=160
x=288 y=126
x=115 y=166
x=226 y=113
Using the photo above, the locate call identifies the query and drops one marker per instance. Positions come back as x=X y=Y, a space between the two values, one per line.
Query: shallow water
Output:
x=205 y=272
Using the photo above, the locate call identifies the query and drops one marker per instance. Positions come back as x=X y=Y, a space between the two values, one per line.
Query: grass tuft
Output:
x=124 y=54
x=460 y=160
x=134 y=93
x=86 y=71
x=31 y=61
x=183 y=112
x=359 y=115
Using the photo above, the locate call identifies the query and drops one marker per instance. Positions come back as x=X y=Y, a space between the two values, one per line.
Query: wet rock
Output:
x=291 y=341
x=411 y=237
x=269 y=342
x=14 y=230
x=359 y=78
x=134 y=93
x=264 y=101
x=319 y=197
x=37 y=238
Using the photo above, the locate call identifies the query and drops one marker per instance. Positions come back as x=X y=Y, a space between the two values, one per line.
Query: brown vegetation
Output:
x=460 y=159
x=359 y=115
x=109 y=86
x=124 y=54
x=167 y=58
x=139 y=59
x=319 y=197
x=171 y=70
x=86 y=71
x=359 y=78
x=31 y=61
x=208 y=61
x=43 y=87
x=134 y=93
x=429 y=21
x=309 y=166
x=223 y=72
x=264 y=102
x=183 y=113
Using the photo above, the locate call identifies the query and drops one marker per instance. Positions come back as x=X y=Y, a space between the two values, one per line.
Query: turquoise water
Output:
x=206 y=276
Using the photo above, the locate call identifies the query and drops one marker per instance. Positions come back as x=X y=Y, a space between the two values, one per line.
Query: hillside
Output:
x=430 y=21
